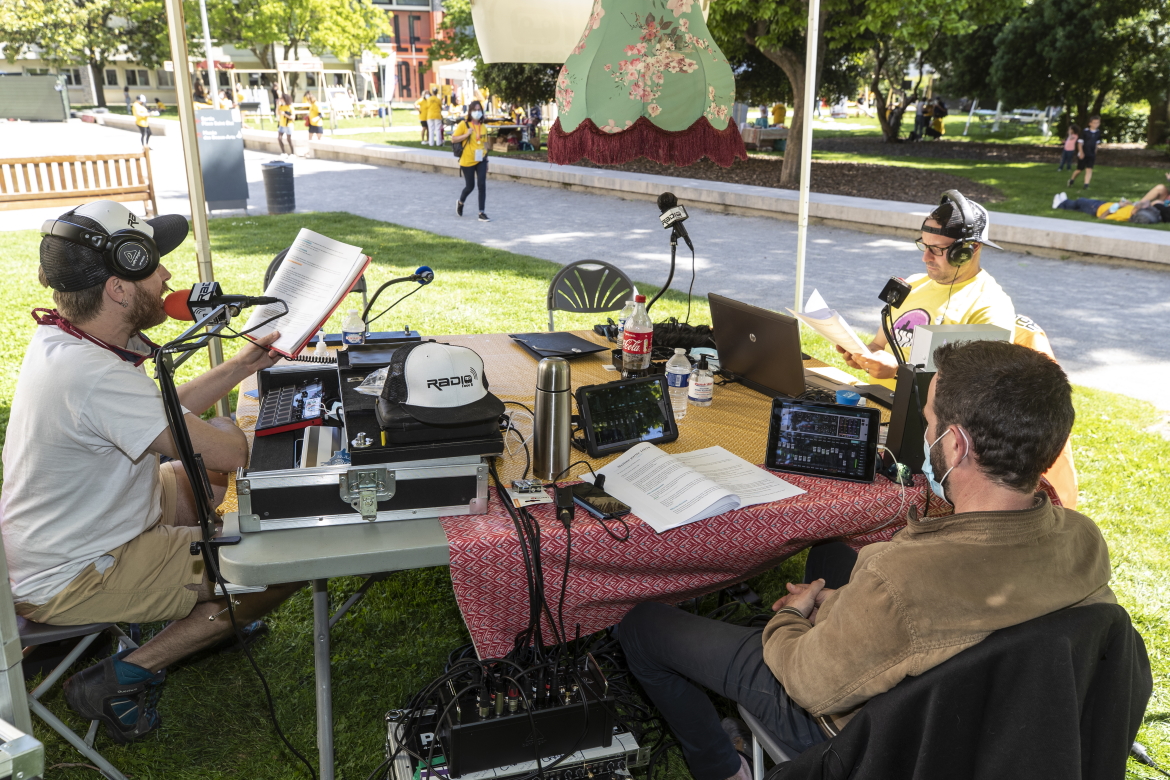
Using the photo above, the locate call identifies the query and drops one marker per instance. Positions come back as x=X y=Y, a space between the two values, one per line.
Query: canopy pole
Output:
x=806 y=131
x=176 y=27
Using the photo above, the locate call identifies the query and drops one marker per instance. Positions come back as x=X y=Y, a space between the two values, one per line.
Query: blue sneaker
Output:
x=128 y=710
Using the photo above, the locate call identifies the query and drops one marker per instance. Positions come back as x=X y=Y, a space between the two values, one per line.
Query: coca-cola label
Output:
x=636 y=343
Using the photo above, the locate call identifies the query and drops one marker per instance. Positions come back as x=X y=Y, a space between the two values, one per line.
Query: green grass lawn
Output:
x=214 y=721
x=1029 y=187
x=953 y=124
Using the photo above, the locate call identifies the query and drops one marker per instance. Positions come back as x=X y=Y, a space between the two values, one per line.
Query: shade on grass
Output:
x=214 y=720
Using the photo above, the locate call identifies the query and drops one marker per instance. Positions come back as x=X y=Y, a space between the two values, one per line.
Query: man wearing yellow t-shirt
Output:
x=142 y=119
x=779 y=112
x=316 y=125
x=945 y=295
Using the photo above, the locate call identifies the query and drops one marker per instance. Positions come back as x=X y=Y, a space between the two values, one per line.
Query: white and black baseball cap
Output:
x=440 y=384
x=950 y=216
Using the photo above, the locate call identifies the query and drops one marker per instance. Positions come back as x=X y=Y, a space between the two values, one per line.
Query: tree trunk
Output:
x=793 y=66
x=879 y=96
x=99 y=82
x=1159 y=123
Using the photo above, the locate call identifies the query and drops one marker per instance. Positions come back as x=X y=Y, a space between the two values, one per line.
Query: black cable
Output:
x=391 y=306
x=256 y=667
x=690 y=289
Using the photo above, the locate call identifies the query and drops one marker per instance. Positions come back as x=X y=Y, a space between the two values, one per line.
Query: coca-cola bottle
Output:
x=637 y=341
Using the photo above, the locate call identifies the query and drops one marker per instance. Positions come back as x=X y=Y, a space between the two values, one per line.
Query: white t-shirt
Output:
x=78 y=479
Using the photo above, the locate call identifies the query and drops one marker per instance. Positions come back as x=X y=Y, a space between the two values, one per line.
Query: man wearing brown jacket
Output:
x=998 y=415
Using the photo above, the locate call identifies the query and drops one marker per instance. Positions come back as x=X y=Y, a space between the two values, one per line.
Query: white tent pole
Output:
x=810 y=95
x=177 y=29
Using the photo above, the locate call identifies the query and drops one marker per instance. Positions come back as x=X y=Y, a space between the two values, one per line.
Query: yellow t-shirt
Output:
x=779 y=112
x=1122 y=214
x=314 y=115
x=435 y=106
x=141 y=114
x=284 y=115
x=978 y=301
x=474 y=141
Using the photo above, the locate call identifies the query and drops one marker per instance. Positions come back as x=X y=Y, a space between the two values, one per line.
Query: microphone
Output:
x=199 y=301
x=673 y=216
x=423 y=275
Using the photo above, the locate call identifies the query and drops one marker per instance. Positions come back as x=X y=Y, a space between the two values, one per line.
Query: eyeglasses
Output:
x=937 y=251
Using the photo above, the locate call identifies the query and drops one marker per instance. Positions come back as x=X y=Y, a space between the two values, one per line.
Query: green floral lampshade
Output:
x=646 y=79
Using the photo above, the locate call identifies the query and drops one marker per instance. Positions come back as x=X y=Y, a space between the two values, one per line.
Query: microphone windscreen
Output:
x=176 y=306
x=667 y=201
x=426 y=273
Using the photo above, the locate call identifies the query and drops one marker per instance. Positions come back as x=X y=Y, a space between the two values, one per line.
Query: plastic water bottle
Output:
x=678 y=375
x=702 y=385
x=353 y=330
x=622 y=317
x=637 y=340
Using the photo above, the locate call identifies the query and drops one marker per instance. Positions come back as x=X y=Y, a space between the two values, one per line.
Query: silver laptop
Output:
x=761 y=349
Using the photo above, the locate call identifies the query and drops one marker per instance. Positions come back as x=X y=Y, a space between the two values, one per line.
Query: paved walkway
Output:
x=1107 y=323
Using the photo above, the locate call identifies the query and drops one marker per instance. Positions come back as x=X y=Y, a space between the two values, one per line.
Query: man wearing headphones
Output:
x=95 y=528
x=955 y=290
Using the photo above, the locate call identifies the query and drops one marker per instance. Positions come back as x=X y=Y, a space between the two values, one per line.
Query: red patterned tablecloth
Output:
x=607 y=577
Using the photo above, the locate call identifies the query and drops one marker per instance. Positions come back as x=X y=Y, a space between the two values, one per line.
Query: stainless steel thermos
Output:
x=552 y=427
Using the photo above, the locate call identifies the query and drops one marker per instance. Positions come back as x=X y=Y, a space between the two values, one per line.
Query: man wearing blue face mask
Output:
x=998 y=415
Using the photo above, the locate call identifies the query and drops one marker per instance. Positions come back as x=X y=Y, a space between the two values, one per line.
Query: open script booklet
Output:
x=827 y=322
x=667 y=491
x=314 y=277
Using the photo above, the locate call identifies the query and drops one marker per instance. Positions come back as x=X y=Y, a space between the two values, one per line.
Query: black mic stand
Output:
x=670 y=276
x=165 y=363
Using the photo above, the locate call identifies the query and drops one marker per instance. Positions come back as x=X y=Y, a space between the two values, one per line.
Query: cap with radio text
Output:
x=440 y=384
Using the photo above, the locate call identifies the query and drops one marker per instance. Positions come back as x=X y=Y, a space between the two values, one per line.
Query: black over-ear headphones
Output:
x=128 y=254
x=961 y=252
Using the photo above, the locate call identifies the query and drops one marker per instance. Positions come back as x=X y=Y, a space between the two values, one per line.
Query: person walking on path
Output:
x=1070 y=147
x=129 y=102
x=142 y=119
x=284 y=119
x=313 y=120
x=473 y=161
x=1088 y=144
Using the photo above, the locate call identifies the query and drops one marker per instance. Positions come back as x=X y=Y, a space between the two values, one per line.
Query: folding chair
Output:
x=762 y=740
x=588 y=286
x=33 y=634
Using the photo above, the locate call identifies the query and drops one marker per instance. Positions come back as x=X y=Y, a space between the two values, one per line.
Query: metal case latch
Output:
x=364 y=488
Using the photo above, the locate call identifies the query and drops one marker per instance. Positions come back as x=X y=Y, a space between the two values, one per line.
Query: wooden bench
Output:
x=73 y=180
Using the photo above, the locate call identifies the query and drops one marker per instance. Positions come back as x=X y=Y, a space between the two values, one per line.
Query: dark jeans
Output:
x=672 y=653
x=1087 y=205
x=471 y=175
x=1067 y=157
x=144 y=134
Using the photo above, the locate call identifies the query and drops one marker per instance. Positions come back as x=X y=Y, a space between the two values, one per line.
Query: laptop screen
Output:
x=823 y=440
x=760 y=348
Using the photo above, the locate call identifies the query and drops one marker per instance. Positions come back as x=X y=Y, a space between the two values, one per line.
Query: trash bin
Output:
x=278 y=187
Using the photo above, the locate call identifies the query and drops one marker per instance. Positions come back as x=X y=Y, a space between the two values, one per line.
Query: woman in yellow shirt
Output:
x=473 y=162
x=316 y=126
x=284 y=118
x=142 y=119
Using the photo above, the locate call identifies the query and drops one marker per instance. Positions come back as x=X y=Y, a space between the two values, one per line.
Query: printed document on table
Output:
x=667 y=491
x=752 y=484
x=315 y=276
x=827 y=322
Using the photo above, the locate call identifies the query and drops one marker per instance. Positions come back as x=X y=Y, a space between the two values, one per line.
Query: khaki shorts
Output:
x=148 y=581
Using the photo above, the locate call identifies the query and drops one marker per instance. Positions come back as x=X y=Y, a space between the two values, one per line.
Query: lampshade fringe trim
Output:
x=645 y=139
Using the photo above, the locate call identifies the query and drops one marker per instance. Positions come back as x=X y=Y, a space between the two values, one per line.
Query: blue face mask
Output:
x=936 y=485
x=477 y=115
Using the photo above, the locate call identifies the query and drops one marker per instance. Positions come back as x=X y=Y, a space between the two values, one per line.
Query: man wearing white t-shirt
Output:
x=95 y=529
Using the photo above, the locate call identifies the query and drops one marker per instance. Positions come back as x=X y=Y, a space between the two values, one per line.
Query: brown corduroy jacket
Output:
x=938 y=587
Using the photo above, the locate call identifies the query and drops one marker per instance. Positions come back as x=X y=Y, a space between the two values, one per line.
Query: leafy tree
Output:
x=86 y=32
x=273 y=29
x=519 y=83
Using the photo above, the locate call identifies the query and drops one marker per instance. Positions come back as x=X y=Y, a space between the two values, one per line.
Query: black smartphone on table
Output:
x=597 y=502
